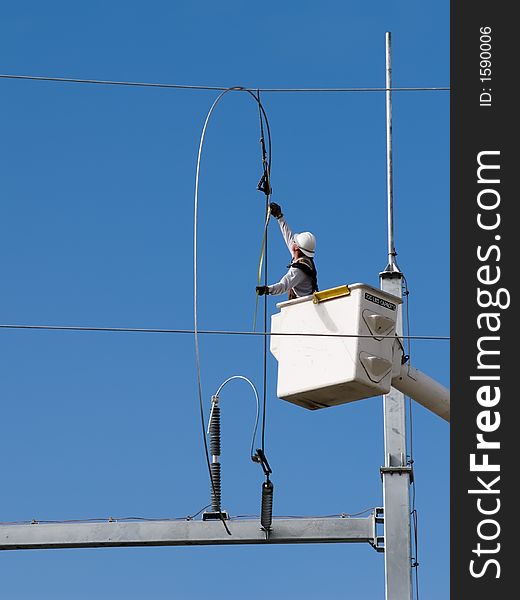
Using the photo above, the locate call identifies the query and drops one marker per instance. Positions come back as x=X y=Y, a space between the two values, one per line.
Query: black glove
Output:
x=262 y=289
x=276 y=210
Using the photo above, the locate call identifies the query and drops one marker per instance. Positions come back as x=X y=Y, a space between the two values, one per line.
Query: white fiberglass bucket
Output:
x=317 y=371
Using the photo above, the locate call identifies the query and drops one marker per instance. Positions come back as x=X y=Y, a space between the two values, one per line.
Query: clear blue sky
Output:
x=97 y=230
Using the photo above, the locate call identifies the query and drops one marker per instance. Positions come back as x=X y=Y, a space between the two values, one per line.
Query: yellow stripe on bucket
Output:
x=330 y=294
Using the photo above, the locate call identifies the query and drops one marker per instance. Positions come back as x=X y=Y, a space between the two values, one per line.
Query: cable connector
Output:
x=260 y=457
x=264 y=185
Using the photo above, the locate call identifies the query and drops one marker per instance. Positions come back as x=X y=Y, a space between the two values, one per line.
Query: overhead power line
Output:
x=186 y=518
x=177 y=86
x=210 y=332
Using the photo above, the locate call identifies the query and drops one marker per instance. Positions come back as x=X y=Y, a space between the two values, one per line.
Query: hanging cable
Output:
x=214 y=433
x=406 y=294
x=260 y=263
x=84 y=329
x=195 y=245
x=233 y=377
x=265 y=186
x=36 y=521
x=195 y=316
x=414 y=559
x=213 y=88
x=264 y=382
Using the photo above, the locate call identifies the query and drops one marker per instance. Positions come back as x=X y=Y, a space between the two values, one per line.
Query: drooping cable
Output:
x=264 y=382
x=265 y=182
x=406 y=294
x=214 y=432
x=415 y=558
x=260 y=264
x=233 y=377
x=211 y=88
x=109 y=519
x=195 y=316
x=195 y=245
x=265 y=186
x=266 y=510
x=413 y=510
x=85 y=329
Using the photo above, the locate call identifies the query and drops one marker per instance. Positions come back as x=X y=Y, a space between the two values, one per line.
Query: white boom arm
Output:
x=424 y=390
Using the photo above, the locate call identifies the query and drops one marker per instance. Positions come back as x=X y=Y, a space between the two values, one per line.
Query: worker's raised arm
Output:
x=276 y=211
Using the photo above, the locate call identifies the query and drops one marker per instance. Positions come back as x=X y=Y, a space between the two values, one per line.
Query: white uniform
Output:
x=295 y=278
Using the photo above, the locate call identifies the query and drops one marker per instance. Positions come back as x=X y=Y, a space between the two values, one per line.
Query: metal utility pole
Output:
x=396 y=472
x=392 y=265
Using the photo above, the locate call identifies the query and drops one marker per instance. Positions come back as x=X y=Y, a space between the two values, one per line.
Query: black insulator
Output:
x=266 y=516
x=215 y=487
x=214 y=432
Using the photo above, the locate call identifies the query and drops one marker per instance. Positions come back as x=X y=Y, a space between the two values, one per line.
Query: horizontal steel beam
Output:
x=185 y=533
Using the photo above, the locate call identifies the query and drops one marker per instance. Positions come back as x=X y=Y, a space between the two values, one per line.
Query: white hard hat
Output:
x=306 y=242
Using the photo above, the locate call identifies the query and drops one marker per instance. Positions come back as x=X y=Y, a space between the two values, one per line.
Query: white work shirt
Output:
x=295 y=278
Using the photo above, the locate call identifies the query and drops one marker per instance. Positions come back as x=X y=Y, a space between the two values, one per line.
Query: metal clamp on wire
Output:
x=264 y=184
x=266 y=514
x=260 y=457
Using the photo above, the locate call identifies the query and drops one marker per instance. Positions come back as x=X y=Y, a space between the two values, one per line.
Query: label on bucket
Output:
x=380 y=301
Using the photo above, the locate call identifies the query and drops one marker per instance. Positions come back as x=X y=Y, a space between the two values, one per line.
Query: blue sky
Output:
x=96 y=221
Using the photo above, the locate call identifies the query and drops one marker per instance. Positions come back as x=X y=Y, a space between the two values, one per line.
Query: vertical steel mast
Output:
x=396 y=472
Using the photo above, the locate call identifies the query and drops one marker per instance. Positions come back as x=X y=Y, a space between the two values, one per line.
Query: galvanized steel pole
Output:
x=392 y=265
x=396 y=473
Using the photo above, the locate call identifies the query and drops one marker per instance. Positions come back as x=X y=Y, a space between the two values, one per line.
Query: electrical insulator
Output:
x=266 y=517
x=216 y=487
x=214 y=444
x=214 y=431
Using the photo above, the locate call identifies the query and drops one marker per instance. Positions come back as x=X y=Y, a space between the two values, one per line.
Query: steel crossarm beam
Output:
x=186 y=533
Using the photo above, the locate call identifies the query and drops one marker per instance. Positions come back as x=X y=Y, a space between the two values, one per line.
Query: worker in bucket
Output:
x=302 y=278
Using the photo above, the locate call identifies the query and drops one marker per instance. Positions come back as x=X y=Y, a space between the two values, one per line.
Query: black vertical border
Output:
x=476 y=128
